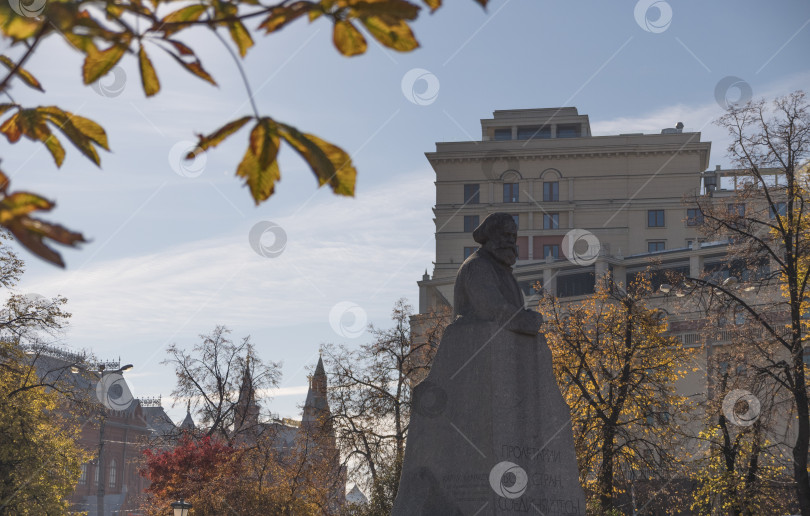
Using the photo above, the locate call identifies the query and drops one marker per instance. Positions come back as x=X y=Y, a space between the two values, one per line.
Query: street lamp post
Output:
x=181 y=507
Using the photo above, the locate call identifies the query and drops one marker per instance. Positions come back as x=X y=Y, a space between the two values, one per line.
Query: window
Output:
x=112 y=474
x=503 y=134
x=510 y=192
x=468 y=251
x=551 y=221
x=778 y=207
x=551 y=250
x=516 y=218
x=529 y=133
x=739 y=318
x=83 y=475
x=575 y=285
x=655 y=218
x=694 y=217
x=551 y=191
x=470 y=223
x=737 y=209
x=568 y=131
x=654 y=247
x=472 y=194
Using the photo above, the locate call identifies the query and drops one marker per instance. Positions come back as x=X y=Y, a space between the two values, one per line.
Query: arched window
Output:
x=551 y=184
x=511 y=184
x=112 y=474
x=83 y=476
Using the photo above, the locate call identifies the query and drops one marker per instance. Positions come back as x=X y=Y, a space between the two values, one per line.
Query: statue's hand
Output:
x=527 y=322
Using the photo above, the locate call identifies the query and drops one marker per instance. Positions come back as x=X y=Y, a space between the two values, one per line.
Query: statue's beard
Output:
x=507 y=254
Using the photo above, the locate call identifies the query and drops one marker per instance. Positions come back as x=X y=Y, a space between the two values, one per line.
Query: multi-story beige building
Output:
x=585 y=205
x=618 y=199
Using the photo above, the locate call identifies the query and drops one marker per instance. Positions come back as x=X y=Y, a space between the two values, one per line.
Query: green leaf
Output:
x=84 y=125
x=17 y=27
x=348 y=39
x=391 y=32
x=330 y=163
x=22 y=203
x=82 y=132
x=240 y=36
x=23 y=74
x=259 y=166
x=218 y=136
x=56 y=149
x=149 y=78
x=281 y=16
x=176 y=21
x=97 y=64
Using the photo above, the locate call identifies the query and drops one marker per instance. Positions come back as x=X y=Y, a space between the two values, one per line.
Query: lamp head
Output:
x=181 y=507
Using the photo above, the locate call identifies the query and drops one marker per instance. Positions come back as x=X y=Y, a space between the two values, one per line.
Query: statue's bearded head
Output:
x=498 y=235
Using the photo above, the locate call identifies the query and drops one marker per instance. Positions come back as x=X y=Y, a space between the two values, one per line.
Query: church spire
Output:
x=316 y=407
x=188 y=422
x=247 y=410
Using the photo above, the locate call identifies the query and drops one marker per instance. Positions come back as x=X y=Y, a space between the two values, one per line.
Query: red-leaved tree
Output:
x=198 y=470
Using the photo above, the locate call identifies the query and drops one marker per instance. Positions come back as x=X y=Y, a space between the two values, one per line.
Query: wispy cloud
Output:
x=694 y=117
x=335 y=250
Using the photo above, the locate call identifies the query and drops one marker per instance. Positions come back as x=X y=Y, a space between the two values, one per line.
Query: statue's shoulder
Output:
x=477 y=265
x=477 y=259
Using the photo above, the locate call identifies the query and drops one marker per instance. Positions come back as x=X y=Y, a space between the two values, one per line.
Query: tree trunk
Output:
x=800 y=449
x=604 y=480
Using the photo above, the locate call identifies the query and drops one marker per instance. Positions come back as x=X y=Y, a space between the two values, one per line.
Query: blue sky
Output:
x=170 y=256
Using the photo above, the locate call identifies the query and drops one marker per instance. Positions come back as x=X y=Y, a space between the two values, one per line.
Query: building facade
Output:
x=619 y=199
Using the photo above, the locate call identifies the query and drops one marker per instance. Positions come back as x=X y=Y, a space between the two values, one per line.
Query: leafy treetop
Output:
x=105 y=31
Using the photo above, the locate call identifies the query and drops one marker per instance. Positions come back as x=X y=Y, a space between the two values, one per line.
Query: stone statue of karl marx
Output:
x=485 y=288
